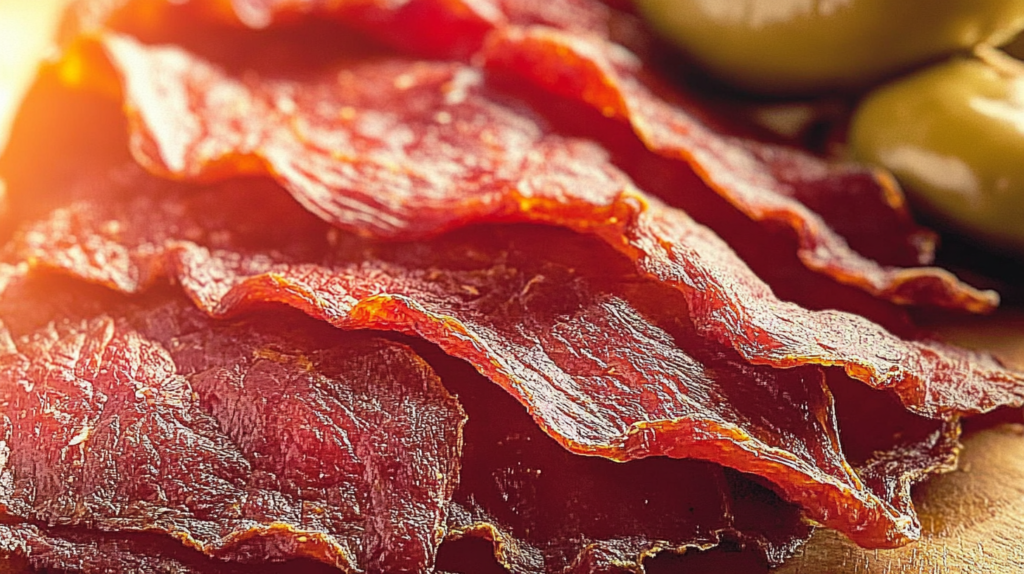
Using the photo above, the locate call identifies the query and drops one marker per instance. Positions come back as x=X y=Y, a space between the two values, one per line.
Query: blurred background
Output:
x=26 y=28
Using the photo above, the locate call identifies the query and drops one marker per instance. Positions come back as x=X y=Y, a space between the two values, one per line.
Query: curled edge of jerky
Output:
x=594 y=73
x=583 y=63
x=186 y=334
x=222 y=290
x=727 y=301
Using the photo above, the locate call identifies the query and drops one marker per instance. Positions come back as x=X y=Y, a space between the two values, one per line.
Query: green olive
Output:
x=793 y=47
x=953 y=135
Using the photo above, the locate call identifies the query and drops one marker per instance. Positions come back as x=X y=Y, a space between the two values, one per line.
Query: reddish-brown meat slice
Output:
x=765 y=182
x=270 y=439
x=670 y=512
x=552 y=508
x=113 y=226
x=553 y=511
x=438 y=28
x=403 y=148
x=607 y=362
x=517 y=484
x=880 y=436
x=568 y=51
x=64 y=549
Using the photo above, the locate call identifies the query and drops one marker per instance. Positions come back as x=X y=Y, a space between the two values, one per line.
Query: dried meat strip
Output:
x=553 y=509
x=112 y=226
x=566 y=47
x=394 y=147
x=880 y=436
x=73 y=552
x=84 y=551
x=270 y=439
x=437 y=28
x=765 y=182
x=579 y=552
x=607 y=362
x=547 y=510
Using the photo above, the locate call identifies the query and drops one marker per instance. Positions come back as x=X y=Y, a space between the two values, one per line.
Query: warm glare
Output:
x=25 y=30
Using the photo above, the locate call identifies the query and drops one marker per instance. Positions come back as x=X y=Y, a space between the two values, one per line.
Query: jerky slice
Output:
x=607 y=363
x=568 y=47
x=435 y=28
x=269 y=439
x=552 y=509
x=93 y=552
x=546 y=510
x=767 y=183
x=400 y=148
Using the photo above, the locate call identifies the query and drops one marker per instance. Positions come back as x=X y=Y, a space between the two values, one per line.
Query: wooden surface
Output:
x=973 y=518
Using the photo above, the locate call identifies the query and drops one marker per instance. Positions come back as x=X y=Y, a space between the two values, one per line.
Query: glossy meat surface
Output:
x=648 y=342
x=268 y=439
x=393 y=147
x=569 y=49
x=771 y=184
x=551 y=508
x=607 y=362
x=552 y=511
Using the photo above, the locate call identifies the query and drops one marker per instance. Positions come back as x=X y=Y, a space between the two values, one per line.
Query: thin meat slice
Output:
x=608 y=363
x=88 y=552
x=879 y=436
x=568 y=47
x=509 y=468
x=546 y=510
x=403 y=148
x=47 y=548
x=269 y=439
x=677 y=515
x=766 y=182
x=517 y=486
x=433 y=28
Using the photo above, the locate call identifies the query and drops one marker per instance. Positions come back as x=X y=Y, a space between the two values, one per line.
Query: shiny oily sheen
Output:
x=953 y=134
x=791 y=47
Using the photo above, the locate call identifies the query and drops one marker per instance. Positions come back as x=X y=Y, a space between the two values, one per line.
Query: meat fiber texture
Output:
x=428 y=181
x=395 y=147
x=568 y=48
x=277 y=437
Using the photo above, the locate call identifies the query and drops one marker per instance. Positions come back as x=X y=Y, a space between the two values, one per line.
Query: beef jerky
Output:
x=436 y=28
x=608 y=363
x=88 y=133
x=403 y=148
x=504 y=444
x=765 y=182
x=770 y=254
x=546 y=510
x=270 y=439
x=828 y=206
x=92 y=552
x=879 y=437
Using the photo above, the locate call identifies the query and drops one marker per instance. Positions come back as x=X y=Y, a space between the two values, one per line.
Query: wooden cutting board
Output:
x=973 y=518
